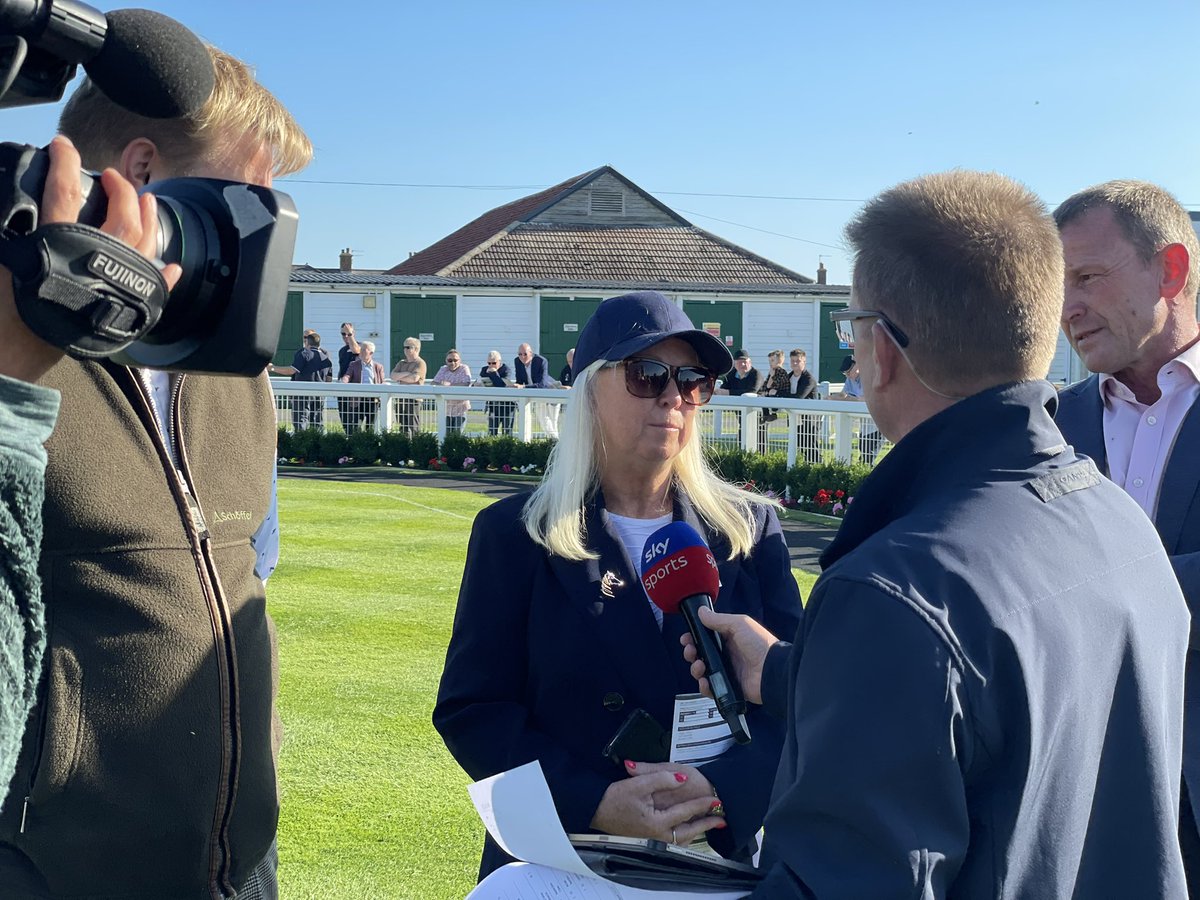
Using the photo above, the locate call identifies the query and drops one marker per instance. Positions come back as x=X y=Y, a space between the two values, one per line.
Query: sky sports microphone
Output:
x=680 y=576
x=142 y=60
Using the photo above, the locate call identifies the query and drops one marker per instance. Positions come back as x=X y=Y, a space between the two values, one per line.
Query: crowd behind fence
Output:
x=805 y=430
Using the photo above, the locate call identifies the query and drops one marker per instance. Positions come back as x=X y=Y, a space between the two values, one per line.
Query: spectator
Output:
x=500 y=413
x=410 y=370
x=776 y=384
x=363 y=370
x=741 y=380
x=533 y=371
x=311 y=363
x=565 y=377
x=452 y=373
x=869 y=437
x=802 y=386
x=348 y=407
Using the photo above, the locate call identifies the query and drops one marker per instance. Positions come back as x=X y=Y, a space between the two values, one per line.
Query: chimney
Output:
x=820 y=273
x=346 y=260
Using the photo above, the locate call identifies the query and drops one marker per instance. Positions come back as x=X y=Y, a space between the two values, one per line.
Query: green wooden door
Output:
x=562 y=320
x=723 y=317
x=832 y=351
x=291 y=335
x=431 y=320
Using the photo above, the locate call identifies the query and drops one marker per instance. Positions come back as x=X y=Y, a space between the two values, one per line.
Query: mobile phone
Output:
x=639 y=738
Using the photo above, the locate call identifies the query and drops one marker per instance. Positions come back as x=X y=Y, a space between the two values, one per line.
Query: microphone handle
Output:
x=725 y=691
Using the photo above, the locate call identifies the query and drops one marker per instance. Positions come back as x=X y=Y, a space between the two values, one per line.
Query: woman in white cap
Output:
x=555 y=642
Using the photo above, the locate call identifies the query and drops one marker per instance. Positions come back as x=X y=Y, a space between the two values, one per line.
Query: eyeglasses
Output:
x=347 y=333
x=452 y=359
x=648 y=378
x=841 y=319
x=409 y=347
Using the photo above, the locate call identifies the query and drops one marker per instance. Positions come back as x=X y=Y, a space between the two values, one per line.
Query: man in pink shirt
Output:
x=1132 y=269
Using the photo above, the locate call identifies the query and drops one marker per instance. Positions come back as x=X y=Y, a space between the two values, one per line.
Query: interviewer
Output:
x=555 y=642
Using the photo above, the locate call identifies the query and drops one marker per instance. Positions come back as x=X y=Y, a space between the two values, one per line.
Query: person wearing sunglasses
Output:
x=454 y=373
x=410 y=370
x=555 y=643
x=986 y=696
x=348 y=407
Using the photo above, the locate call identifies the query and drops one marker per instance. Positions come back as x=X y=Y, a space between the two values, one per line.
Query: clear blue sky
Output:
x=783 y=99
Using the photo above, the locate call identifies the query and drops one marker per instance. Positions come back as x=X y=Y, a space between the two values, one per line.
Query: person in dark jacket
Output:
x=555 y=642
x=500 y=413
x=985 y=697
x=1133 y=266
x=803 y=386
x=349 y=410
x=148 y=767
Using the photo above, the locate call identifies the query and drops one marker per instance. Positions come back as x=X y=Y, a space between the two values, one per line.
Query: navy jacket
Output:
x=1177 y=519
x=985 y=696
x=543 y=665
x=537 y=375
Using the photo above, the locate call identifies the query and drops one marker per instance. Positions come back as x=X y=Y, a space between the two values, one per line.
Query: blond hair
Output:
x=1150 y=218
x=969 y=265
x=554 y=516
x=238 y=106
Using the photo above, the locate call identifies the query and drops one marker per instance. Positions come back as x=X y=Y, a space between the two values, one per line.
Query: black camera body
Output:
x=82 y=291
x=234 y=242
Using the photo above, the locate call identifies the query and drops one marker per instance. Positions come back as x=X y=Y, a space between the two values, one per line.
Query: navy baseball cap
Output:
x=624 y=326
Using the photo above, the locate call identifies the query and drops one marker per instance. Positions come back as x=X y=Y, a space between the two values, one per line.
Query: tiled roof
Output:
x=307 y=276
x=645 y=253
x=453 y=246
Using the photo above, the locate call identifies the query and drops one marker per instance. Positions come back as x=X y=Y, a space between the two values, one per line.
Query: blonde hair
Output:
x=238 y=106
x=970 y=266
x=412 y=340
x=554 y=516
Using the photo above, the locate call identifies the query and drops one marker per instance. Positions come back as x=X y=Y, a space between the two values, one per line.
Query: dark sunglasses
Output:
x=841 y=319
x=648 y=378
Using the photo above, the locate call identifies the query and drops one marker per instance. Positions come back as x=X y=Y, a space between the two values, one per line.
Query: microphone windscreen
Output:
x=677 y=564
x=152 y=65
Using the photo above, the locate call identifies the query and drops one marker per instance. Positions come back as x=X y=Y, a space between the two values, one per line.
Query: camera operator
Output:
x=148 y=768
x=27 y=416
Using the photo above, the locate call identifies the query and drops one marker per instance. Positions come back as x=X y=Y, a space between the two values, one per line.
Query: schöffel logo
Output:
x=120 y=275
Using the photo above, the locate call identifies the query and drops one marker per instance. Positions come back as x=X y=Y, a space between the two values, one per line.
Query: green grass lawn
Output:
x=373 y=805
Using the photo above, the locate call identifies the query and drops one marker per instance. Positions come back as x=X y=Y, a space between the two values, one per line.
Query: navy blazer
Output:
x=537 y=375
x=543 y=664
x=1080 y=417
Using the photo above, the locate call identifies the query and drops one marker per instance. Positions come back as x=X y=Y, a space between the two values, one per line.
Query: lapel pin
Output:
x=609 y=582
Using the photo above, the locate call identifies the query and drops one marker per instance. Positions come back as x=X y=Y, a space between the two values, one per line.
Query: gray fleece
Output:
x=27 y=416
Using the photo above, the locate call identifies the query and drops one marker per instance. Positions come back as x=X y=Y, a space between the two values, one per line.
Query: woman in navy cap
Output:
x=555 y=642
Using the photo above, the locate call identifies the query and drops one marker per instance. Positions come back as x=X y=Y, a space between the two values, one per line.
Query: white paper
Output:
x=519 y=814
x=698 y=732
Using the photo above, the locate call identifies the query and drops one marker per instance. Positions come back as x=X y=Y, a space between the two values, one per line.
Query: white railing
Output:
x=813 y=430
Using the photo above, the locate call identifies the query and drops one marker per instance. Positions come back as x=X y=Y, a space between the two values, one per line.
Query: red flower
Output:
x=839 y=494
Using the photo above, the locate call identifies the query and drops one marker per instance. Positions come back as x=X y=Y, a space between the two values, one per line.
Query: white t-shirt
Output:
x=633 y=534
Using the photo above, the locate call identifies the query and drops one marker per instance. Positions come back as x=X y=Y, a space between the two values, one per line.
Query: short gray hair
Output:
x=367 y=345
x=1150 y=218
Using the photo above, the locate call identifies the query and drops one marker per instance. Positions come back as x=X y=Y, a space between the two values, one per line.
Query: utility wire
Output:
x=790 y=237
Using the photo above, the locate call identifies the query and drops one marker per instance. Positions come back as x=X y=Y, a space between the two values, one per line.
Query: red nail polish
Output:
x=721 y=824
x=680 y=777
x=630 y=764
x=715 y=804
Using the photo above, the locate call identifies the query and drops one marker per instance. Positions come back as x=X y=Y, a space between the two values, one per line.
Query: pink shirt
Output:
x=1138 y=438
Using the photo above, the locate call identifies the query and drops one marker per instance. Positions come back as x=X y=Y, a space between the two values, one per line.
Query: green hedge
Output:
x=764 y=472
